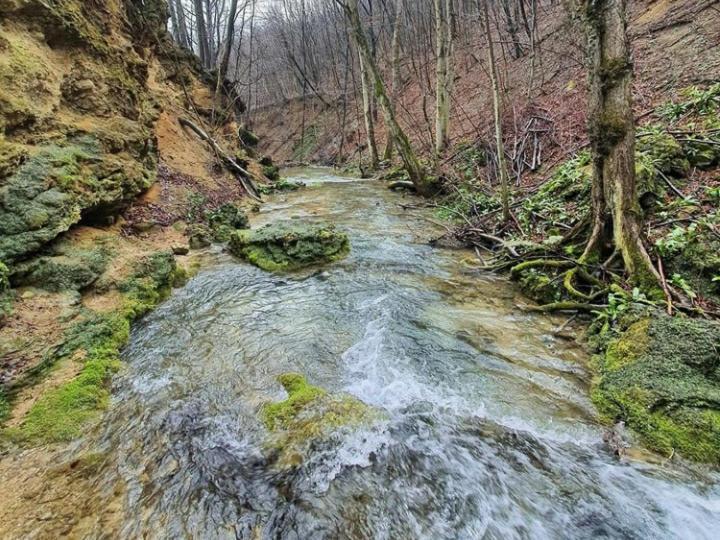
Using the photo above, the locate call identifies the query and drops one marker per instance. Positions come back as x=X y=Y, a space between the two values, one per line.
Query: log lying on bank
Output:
x=244 y=176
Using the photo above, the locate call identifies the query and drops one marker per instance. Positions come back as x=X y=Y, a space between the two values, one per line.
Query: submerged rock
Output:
x=283 y=246
x=310 y=414
x=661 y=375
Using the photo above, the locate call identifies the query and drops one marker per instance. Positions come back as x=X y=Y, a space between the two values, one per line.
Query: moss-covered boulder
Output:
x=53 y=189
x=199 y=235
x=226 y=219
x=287 y=246
x=661 y=375
x=665 y=153
x=62 y=269
x=309 y=415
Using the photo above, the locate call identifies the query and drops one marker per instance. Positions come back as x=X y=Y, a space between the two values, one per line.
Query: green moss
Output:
x=663 y=151
x=300 y=395
x=55 y=187
x=280 y=184
x=661 y=375
x=607 y=131
x=62 y=413
x=309 y=414
x=542 y=287
x=5 y=294
x=226 y=219
x=63 y=269
x=283 y=247
x=248 y=138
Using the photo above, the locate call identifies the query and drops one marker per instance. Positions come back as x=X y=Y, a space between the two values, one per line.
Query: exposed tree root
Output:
x=567 y=306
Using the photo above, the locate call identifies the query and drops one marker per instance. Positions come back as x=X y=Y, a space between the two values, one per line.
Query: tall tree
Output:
x=202 y=33
x=443 y=59
x=410 y=161
x=497 y=110
x=229 y=38
x=368 y=114
x=616 y=212
x=394 y=67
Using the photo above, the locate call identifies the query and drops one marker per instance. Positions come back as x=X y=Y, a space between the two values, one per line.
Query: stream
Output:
x=487 y=430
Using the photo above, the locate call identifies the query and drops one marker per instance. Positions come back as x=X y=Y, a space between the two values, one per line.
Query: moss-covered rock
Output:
x=54 y=188
x=696 y=257
x=5 y=294
x=665 y=153
x=287 y=246
x=62 y=269
x=281 y=184
x=199 y=235
x=95 y=340
x=541 y=286
x=226 y=219
x=661 y=375
x=308 y=415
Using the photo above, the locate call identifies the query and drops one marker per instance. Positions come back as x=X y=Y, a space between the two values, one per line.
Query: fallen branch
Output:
x=242 y=175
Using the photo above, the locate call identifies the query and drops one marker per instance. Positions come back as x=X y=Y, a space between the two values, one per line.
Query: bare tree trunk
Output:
x=612 y=136
x=394 y=68
x=177 y=15
x=443 y=51
x=229 y=38
x=368 y=115
x=203 y=45
x=410 y=161
x=497 y=104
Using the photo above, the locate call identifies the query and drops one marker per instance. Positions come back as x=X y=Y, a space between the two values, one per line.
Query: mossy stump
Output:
x=286 y=247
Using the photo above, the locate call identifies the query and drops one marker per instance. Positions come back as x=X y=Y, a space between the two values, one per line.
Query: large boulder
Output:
x=661 y=375
x=285 y=246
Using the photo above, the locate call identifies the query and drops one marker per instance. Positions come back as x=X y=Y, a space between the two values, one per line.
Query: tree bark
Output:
x=443 y=52
x=497 y=110
x=229 y=38
x=202 y=37
x=410 y=161
x=394 y=68
x=368 y=115
x=616 y=212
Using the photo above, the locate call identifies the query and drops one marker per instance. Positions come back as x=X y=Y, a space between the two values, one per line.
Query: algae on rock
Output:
x=661 y=375
x=287 y=246
x=308 y=415
x=95 y=340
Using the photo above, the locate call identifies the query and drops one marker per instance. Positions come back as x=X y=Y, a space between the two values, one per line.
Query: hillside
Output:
x=102 y=191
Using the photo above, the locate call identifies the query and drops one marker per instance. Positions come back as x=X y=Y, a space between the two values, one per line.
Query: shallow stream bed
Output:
x=485 y=427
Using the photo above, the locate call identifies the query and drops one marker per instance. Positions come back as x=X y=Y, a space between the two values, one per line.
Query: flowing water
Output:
x=486 y=429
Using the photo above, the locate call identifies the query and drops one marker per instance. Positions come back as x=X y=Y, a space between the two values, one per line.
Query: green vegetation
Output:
x=309 y=414
x=226 y=219
x=661 y=375
x=5 y=297
x=279 y=185
x=64 y=269
x=285 y=246
x=96 y=340
x=51 y=190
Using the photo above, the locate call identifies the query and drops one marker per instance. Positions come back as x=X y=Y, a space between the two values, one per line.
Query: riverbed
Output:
x=485 y=428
